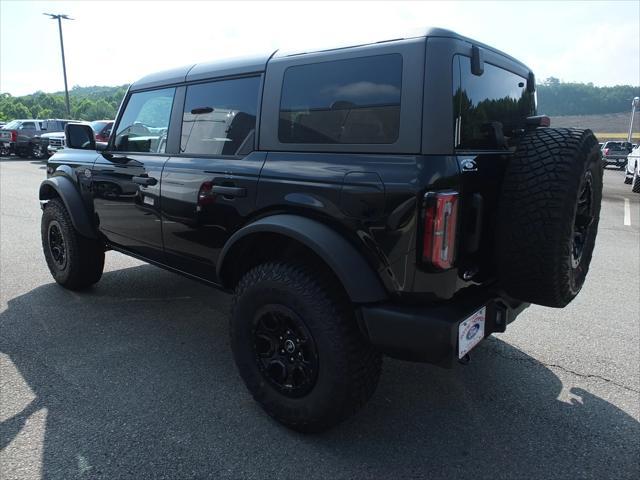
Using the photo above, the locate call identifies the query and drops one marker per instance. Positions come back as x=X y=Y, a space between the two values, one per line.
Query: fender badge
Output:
x=87 y=173
x=469 y=165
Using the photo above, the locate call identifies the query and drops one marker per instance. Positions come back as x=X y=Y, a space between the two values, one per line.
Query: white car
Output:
x=633 y=165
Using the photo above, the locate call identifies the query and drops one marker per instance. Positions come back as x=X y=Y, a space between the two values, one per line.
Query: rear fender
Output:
x=359 y=279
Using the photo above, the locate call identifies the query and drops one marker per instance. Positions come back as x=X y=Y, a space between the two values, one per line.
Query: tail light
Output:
x=14 y=136
x=439 y=233
x=205 y=195
x=606 y=151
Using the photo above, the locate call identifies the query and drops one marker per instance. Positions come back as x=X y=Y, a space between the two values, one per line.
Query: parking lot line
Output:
x=627 y=212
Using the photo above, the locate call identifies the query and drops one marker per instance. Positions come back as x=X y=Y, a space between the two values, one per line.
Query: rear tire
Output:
x=75 y=262
x=548 y=215
x=279 y=306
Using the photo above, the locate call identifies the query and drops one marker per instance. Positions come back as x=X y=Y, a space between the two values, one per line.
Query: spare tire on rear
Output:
x=548 y=215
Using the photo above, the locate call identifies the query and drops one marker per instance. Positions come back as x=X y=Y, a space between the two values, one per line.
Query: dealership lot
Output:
x=135 y=379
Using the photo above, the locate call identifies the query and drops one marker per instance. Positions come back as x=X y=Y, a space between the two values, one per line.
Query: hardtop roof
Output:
x=256 y=64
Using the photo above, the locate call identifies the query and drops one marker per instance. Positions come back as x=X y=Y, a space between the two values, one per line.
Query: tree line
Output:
x=96 y=103
x=87 y=103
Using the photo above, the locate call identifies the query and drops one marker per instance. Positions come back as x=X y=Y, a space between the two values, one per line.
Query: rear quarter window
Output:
x=351 y=101
x=489 y=110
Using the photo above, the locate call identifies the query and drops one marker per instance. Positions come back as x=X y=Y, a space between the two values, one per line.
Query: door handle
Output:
x=145 y=181
x=229 y=191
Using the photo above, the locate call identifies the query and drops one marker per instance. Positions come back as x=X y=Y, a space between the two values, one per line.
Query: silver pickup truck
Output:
x=615 y=153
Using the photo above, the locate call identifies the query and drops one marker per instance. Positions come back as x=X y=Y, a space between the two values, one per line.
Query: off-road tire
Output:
x=628 y=180
x=537 y=216
x=348 y=366
x=83 y=257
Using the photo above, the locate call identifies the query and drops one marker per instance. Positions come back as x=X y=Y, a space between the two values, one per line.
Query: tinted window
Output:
x=220 y=117
x=28 y=126
x=490 y=109
x=145 y=122
x=345 y=101
x=617 y=146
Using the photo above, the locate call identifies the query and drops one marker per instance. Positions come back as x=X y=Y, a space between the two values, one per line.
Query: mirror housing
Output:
x=79 y=136
x=101 y=146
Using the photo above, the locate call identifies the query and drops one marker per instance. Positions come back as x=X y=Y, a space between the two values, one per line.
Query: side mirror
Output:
x=79 y=136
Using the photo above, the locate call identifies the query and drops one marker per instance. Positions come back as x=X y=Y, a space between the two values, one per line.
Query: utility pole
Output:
x=59 y=17
x=634 y=105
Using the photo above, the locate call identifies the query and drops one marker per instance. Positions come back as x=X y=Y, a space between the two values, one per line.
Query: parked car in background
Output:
x=49 y=143
x=615 y=153
x=52 y=142
x=102 y=129
x=631 y=174
x=22 y=137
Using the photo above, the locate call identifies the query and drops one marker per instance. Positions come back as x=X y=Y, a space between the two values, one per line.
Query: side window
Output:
x=220 y=117
x=345 y=101
x=489 y=110
x=28 y=126
x=145 y=122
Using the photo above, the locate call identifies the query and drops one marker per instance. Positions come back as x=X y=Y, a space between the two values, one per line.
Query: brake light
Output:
x=14 y=136
x=205 y=195
x=440 y=222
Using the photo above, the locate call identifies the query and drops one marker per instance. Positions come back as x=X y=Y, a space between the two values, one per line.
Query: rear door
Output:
x=126 y=177
x=209 y=186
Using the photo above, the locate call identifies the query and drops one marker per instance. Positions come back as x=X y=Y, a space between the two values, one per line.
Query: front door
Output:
x=209 y=187
x=126 y=177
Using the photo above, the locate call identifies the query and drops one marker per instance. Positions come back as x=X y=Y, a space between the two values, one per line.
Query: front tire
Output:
x=75 y=262
x=38 y=152
x=636 y=182
x=298 y=348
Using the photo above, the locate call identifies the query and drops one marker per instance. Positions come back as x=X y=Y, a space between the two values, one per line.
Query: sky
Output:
x=117 y=42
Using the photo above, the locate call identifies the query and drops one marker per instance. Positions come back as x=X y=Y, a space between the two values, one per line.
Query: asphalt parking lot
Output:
x=134 y=378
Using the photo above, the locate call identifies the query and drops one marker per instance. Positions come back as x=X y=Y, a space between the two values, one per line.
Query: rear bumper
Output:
x=614 y=161
x=430 y=333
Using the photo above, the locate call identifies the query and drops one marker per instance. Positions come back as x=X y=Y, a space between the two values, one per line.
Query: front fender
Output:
x=359 y=279
x=65 y=189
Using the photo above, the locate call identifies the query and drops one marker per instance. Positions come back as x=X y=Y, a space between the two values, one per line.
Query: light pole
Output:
x=634 y=105
x=59 y=17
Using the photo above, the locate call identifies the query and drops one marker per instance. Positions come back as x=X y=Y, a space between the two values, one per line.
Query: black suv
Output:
x=396 y=198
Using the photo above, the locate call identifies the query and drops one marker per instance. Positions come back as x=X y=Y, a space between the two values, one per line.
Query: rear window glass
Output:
x=345 y=101
x=490 y=109
x=98 y=126
x=615 y=146
x=12 y=125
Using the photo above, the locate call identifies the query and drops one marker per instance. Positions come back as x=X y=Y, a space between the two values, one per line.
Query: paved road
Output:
x=135 y=379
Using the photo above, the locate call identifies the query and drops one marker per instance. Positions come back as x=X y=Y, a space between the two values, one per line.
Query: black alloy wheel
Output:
x=285 y=350
x=57 y=245
x=583 y=220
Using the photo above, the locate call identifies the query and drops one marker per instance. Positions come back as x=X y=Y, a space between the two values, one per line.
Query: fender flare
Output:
x=358 y=278
x=67 y=191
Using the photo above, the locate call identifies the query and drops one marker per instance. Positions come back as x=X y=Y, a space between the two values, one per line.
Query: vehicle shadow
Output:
x=136 y=380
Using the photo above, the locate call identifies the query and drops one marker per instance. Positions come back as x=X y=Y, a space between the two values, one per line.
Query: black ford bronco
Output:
x=398 y=198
